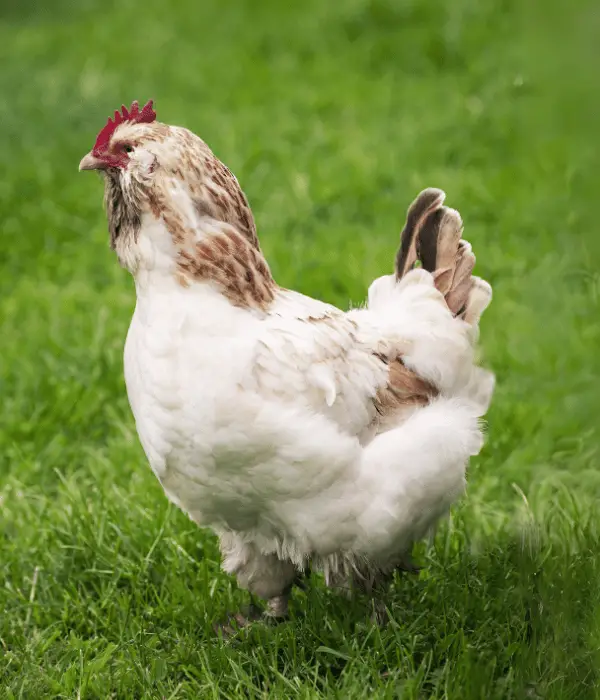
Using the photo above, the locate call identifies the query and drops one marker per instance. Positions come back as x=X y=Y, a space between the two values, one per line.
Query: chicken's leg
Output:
x=263 y=575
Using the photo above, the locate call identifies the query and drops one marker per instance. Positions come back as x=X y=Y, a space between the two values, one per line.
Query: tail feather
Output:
x=432 y=236
x=429 y=201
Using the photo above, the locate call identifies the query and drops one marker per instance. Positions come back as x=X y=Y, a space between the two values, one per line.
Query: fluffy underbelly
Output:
x=190 y=450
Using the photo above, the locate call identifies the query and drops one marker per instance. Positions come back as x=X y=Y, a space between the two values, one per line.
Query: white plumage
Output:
x=260 y=410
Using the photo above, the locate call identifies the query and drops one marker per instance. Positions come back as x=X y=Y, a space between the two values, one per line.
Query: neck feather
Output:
x=169 y=240
x=190 y=221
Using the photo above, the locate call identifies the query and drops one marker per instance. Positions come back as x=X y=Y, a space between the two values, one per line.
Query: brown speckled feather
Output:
x=403 y=389
x=233 y=264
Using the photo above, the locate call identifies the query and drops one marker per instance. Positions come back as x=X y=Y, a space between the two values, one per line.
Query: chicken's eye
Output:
x=128 y=148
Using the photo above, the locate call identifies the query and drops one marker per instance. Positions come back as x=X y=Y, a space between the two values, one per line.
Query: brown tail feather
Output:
x=432 y=235
x=430 y=200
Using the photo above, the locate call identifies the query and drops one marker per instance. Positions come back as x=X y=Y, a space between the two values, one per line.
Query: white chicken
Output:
x=300 y=434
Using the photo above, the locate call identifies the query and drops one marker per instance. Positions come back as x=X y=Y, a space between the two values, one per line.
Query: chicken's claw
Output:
x=275 y=612
x=234 y=622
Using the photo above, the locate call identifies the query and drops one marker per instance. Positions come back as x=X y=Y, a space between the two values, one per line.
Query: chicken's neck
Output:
x=165 y=238
x=208 y=254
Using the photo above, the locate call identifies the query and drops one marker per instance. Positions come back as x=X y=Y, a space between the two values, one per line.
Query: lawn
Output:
x=333 y=115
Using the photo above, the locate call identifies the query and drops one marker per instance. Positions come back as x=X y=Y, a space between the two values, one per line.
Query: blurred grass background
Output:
x=333 y=116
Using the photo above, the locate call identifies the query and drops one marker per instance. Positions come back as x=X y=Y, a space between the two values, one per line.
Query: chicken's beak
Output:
x=90 y=162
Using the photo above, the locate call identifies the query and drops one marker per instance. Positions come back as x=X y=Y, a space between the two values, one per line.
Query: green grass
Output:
x=333 y=115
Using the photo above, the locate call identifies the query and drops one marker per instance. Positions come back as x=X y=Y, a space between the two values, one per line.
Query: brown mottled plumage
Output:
x=230 y=261
x=404 y=389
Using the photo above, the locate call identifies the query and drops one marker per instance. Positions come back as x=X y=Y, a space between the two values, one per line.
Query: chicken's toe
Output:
x=234 y=622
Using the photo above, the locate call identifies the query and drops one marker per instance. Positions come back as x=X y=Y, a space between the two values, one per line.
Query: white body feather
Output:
x=262 y=426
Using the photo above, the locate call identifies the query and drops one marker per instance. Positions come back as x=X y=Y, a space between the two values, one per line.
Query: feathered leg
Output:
x=263 y=575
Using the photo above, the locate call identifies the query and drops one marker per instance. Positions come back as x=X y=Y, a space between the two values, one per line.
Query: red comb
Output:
x=131 y=115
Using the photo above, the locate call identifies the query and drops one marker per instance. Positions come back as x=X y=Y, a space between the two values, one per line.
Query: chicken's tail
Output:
x=432 y=237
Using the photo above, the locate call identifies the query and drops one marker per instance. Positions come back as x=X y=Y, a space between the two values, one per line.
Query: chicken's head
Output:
x=126 y=142
x=154 y=171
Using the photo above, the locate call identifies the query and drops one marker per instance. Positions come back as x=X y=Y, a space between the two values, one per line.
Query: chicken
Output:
x=302 y=435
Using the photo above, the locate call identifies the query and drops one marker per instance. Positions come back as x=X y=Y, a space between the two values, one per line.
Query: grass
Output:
x=333 y=116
